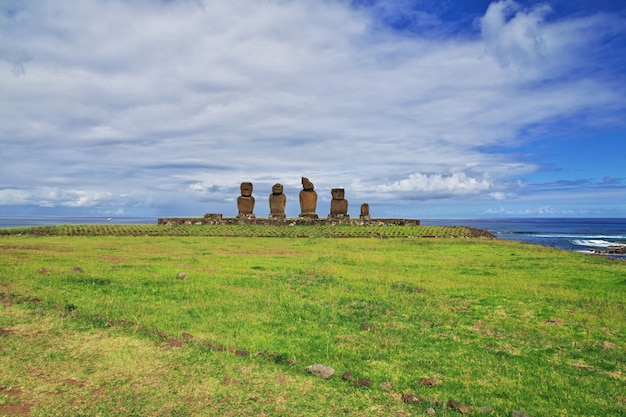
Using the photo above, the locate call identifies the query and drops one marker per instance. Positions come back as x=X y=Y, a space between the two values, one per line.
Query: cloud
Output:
x=173 y=104
x=437 y=186
x=515 y=36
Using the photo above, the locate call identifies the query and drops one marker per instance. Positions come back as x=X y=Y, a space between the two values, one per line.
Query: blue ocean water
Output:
x=574 y=234
x=52 y=220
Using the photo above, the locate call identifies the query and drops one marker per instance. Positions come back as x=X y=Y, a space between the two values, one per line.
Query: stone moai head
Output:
x=338 y=193
x=277 y=189
x=246 y=189
x=307 y=185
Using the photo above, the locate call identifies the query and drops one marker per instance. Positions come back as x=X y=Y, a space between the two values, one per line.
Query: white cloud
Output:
x=177 y=102
x=436 y=185
x=515 y=36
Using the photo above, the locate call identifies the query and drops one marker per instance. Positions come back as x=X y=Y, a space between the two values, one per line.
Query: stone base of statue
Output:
x=365 y=217
x=338 y=217
x=246 y=218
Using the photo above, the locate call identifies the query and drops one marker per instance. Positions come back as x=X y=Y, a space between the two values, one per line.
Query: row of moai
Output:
x=308 y=203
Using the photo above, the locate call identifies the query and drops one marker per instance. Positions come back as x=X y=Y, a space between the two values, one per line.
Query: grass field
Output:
x=106 y=323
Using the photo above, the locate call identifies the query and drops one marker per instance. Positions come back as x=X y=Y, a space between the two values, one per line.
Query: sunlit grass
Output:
x=496 y=323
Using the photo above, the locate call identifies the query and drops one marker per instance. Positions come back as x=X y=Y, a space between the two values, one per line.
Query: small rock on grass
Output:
x=347 y=376
x=431 y=411
x=430 y=382
x=321 y=371
x=461 y=408
x=412 y=399
x=363 y=382
x=181 y=275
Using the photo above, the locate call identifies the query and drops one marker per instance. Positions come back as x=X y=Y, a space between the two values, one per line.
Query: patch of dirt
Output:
x=555 y=322
x=16 y=409
x=584 y=367
x=174 y=343
x=74 y=382
x=11 y=392
x=412 y=399
x=429 y=382
x=113 y=259
x=3 y=332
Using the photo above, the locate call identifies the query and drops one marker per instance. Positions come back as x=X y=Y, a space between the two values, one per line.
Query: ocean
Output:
x=573 y=234
x=588 y=235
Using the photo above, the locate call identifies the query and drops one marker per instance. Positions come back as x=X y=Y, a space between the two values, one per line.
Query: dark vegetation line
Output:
x=253 y=231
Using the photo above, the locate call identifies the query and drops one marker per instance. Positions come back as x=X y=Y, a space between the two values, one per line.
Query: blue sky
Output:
x=421 y=108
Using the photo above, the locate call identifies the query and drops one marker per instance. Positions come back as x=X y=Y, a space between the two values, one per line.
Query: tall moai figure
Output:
x=308 y=199
x=365 y=212
x=338 y=205
x=278 y=201
x=245 y=202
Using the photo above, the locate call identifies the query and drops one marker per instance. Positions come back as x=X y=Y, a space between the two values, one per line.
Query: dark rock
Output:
x=347 y=376
x=461 y=408
x=430 y=382
x=363 y=382
x=412 y=399
x=369 y=327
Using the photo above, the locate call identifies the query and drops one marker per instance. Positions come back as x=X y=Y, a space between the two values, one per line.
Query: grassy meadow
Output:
x=183 y=322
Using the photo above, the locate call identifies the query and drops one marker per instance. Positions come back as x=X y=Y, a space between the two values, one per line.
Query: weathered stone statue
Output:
x=245 y=202
x=308 y=199
x=365 y=211
x=338 y=205
x=278 y=201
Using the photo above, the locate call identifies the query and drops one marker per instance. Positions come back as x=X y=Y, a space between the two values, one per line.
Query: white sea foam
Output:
x=597 y=243
x=579 y=237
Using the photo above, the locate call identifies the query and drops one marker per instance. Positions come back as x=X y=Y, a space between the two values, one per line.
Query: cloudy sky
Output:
x=421 y=108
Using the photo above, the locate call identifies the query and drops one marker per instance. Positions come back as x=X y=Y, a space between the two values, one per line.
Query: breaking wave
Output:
x=598 y=243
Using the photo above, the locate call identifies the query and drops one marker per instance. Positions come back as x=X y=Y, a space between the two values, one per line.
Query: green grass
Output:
x=252 y=230
x=496 y=323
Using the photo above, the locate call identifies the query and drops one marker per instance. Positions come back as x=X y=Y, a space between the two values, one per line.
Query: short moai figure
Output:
x=245 y=202
x=278 y=201
x=308 y=199
x=338 y=205
x=365 y=211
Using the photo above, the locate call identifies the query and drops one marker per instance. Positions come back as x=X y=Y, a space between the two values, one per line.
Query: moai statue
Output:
x=245 y=202
x=308 y=199
x=365 y=211
x=278 y=201
x=338 y=205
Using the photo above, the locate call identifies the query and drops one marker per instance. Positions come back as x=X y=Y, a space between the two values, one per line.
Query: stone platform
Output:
x=218 y=219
